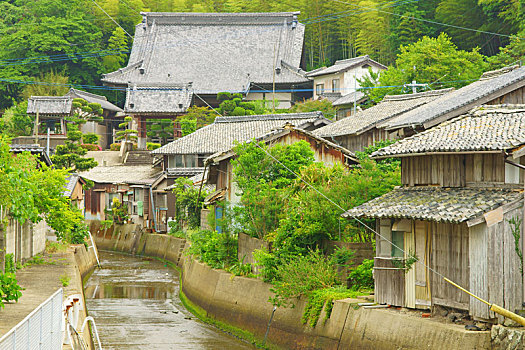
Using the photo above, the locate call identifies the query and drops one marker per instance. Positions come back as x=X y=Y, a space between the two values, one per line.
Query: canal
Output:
x=135 y=304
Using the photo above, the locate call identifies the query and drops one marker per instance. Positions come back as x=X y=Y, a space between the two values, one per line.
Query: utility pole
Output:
x=414 y=85
x=355 y=92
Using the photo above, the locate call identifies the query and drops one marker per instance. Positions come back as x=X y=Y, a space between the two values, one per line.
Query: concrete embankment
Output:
x=40 y=280
x=243 y=303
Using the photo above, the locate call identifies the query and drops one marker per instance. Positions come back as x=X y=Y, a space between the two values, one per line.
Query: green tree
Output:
x=322 y=105
x=70 y=155
x=16 y=122
x=127 y=134
x=118 y=42
x=262 y=182
x=427 y=61
x=160 y=128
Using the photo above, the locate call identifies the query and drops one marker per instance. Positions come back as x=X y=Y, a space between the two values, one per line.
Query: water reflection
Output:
x=135 y=305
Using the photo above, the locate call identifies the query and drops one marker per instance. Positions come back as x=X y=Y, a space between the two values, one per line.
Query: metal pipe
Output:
x=89 y=318
x=269 y=323
x=515 y=164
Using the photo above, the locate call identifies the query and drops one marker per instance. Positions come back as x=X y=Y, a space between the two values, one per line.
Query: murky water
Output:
x=135 y=305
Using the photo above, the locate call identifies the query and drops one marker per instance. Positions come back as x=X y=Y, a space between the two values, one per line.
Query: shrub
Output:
x=9 y=288
x=90 y=138
x=218 y=250
x=91 y=147
x=361 y=277
x=152 y=145
x=238 y=111
x=301 y=275
x=10 y=266
x=114 y=147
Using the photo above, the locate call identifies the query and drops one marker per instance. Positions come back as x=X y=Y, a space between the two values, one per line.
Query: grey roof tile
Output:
x=71 y=182
x=122 y=174
x=53 y=105
x=158 y=98
x=344 y=65
x=486 y=128
x=389 y=107
x=93 y=98
x=490 y=86
x=62 y=105
x=356 y=96
x=225 y=131
x=34 y=149
x=454 y=205
x=215 y=51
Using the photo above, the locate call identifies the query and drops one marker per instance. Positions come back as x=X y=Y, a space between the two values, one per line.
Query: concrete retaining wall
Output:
x=243 y=303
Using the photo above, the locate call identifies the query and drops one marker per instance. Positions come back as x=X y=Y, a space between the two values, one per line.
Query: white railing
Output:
x=41 y=329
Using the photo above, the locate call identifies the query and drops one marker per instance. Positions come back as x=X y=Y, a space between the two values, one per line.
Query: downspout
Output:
x=153 y=208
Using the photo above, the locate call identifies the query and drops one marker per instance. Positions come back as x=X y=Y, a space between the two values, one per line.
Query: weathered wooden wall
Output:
x=495 y=266
x=357 y=143
x=453 y=170
x=514 y=97
x=450 y=258
x=389 y=282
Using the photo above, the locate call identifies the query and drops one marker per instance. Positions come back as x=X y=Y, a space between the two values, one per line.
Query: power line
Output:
x=107 y=14
x=426 y=20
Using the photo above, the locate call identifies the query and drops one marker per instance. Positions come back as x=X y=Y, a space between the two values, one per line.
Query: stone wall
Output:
x=243 y=302
x=25 y=240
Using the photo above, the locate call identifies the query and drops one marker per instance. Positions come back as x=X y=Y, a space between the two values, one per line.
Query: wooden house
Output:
x=502 y=86
x=361 y=130
x=130 y=184
x=75 y=190
x=220 y=172
x=247 y=53
x=185 y=156
x=50 y=113
x=401 y=116
x=462 y=187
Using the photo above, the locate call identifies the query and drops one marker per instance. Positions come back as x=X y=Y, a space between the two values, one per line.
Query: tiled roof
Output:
x=490 y=86
x=54 y=105
x=356 y=96
x=344 y=65
x=487 y=128
x=390 y=107
x=184 y=172
x=92 y=98
x=62 y=105
x=452 y=205
x=33 y=149
x=222 y=134
x=215 y=51
x=71 y=182
x=158 y=98
x=281 y=132
x=122 y=174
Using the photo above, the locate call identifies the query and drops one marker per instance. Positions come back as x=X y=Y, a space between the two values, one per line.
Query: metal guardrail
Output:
x=41 y=329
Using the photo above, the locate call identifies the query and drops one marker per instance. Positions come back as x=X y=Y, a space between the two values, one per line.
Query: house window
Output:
x=335 y=85
x=182 y=161
x=319 y=89
x=398 y=238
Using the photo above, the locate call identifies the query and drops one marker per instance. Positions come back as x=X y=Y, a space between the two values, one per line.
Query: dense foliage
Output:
x=28 y=192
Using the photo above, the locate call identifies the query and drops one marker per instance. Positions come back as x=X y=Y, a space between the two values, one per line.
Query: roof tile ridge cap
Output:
x=401 y=97
x=498 y=72
x=99 y=97
x=124 y=69
x=219 y=14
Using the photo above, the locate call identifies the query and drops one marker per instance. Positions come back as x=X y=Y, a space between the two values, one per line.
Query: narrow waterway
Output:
x=135 y=304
